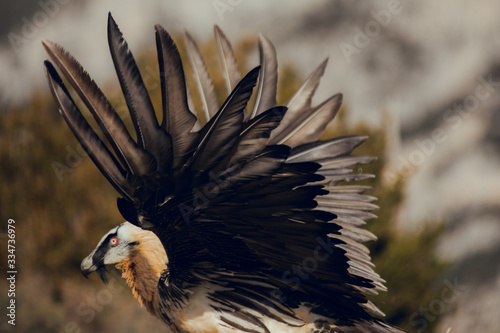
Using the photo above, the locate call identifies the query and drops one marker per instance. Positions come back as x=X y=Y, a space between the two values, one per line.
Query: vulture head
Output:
x=133 y=250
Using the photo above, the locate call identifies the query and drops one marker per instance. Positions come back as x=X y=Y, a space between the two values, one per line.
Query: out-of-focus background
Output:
x=422 y=78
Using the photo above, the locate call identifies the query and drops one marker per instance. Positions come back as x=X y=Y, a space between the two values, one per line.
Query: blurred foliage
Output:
x=62 y=206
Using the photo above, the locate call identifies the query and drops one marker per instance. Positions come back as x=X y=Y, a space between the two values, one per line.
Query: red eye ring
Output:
x=113 y=241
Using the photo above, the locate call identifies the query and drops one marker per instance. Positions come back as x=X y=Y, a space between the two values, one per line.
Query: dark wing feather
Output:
x=255 y=136
x=178 y=120
x=268 y=77
x=149 y=133
x=204 y=83
x=135 y=159
x=224 y=128
x=328 y=149
x=227 y=59
x=303 y=97
x=93 y=145
x=304 y=123
x=310 y=124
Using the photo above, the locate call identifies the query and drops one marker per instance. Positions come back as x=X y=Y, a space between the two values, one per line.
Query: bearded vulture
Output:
x=236 y=225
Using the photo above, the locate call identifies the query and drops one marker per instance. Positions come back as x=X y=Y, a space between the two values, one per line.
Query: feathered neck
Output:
x=143 y=268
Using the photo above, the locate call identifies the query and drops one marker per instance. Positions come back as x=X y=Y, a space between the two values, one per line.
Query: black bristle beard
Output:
x=101 y=271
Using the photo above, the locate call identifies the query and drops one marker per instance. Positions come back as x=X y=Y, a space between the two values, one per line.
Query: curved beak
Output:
x=88 y=266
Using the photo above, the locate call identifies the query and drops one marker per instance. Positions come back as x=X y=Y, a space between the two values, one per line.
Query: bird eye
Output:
x=113 y=241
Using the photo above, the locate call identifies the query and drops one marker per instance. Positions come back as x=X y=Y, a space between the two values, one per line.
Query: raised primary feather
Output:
x=178 y=120
x=205 y=85
x=230 y=229
x=228 y=60
x=268 y=78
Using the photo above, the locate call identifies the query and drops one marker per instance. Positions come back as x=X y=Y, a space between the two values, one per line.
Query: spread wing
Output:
x=250 y=210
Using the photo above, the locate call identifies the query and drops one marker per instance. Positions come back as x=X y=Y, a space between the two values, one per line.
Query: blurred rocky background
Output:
x=422 y=78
